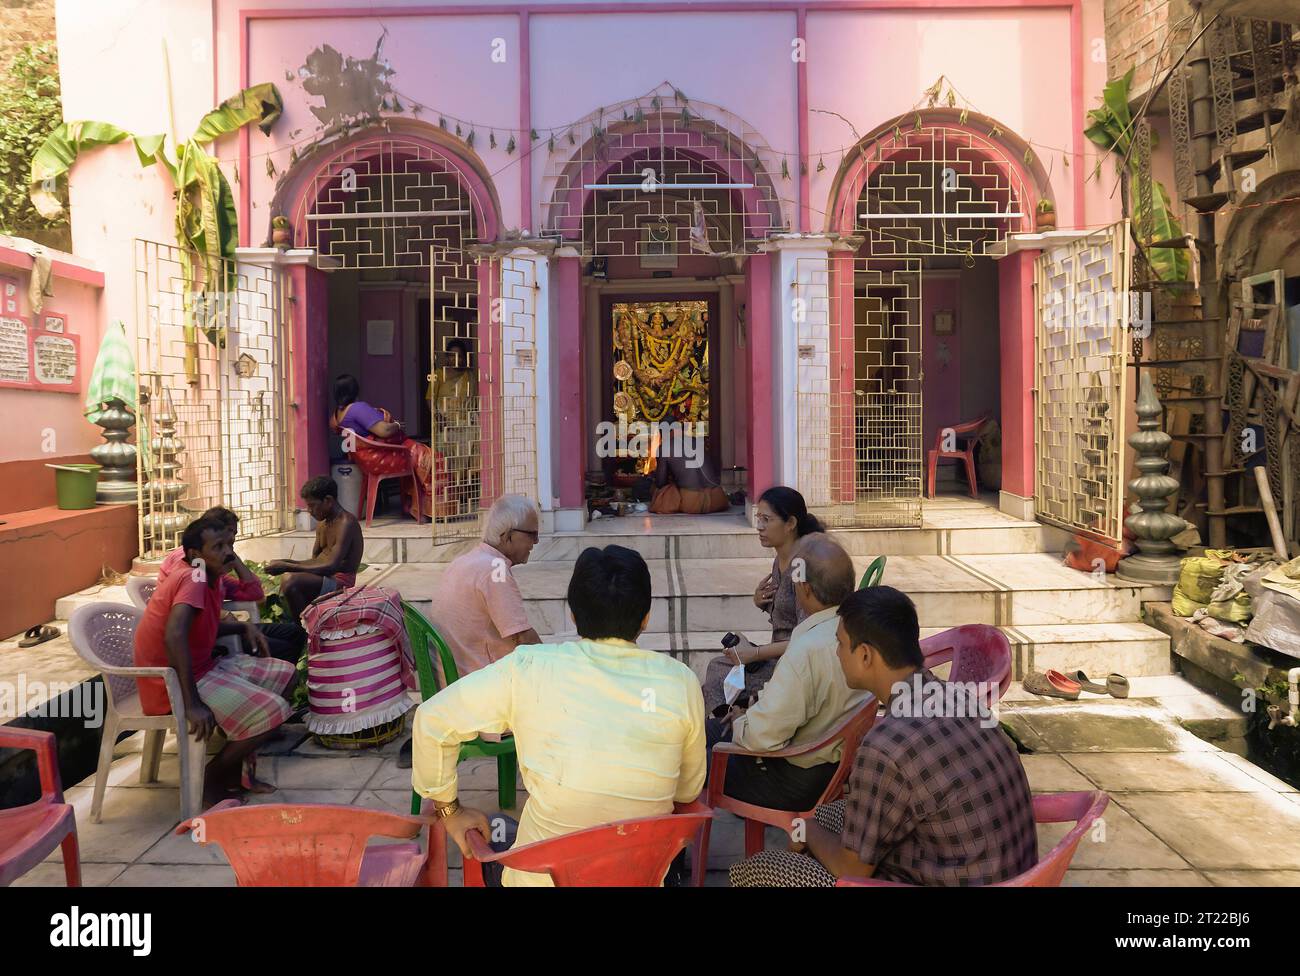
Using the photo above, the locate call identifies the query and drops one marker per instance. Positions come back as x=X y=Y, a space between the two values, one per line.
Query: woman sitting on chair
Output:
x=378 y=424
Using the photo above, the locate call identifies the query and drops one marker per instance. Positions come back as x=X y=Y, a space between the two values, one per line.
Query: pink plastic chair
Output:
x=968 y=433
x=320 y=846
x=850 y=732
x=396 y=463
x=1083 y=808
x=978 y=652
x=29 y=833
x=626 y=854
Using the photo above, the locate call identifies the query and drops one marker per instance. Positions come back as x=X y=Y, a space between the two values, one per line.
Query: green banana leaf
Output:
x=57 y=154
x=206 y=222
x=1111 y=127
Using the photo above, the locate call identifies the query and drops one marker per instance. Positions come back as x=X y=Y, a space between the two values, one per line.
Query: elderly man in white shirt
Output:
x=806 y=696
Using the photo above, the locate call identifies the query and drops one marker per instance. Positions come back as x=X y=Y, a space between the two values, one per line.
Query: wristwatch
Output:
x=452 y=808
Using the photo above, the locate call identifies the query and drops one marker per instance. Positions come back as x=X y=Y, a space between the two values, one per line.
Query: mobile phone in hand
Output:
x=730 y=640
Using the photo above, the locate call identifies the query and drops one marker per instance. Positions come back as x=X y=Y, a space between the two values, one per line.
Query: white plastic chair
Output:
x=140 y=589
x=103 y=634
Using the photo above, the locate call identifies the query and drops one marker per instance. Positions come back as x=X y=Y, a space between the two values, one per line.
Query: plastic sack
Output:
x=1238 y=609
x=1197 y=579
x=733 y=684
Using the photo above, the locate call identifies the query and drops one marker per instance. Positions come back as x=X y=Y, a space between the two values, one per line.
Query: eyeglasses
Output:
x=535 y=536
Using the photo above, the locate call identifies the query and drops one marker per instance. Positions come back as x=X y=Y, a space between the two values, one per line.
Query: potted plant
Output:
x=1046 y=215
x=281 y=232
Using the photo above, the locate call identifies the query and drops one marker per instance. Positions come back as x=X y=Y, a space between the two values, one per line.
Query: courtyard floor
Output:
x=1183 y=812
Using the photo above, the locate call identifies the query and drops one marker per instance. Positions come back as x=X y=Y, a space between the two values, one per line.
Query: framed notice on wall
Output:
x=38 y=359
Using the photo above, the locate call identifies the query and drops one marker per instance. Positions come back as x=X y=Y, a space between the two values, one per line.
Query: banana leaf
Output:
x=57 y=154
x=1111 y=127
x=261 y=104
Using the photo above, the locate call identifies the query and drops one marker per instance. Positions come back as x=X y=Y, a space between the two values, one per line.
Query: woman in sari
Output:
x=782 y=518
x=376 y=423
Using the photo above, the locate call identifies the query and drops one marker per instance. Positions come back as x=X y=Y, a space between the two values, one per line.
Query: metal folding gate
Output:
x=1081 y=340
x=211 y=361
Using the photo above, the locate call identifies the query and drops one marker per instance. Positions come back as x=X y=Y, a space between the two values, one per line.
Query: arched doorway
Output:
x=667 y=211
x=915 y=312
x=403 y=303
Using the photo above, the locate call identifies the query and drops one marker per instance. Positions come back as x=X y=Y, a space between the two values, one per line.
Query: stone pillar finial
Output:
x=1157 y=559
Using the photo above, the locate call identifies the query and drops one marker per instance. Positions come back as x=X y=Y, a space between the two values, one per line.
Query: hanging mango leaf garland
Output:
x=206 y=220
x=1111 y=127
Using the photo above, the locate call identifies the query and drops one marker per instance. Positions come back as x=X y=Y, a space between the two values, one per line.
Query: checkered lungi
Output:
x=246 y=694
x=786 y=869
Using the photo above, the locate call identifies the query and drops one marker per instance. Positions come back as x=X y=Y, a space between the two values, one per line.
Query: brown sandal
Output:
x=1037 y=683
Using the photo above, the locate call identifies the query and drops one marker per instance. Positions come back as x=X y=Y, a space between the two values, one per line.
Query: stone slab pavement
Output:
x=1183 y=810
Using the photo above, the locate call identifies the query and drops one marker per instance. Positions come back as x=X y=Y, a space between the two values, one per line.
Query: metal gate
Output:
x=211 y=361
x=1081 y=342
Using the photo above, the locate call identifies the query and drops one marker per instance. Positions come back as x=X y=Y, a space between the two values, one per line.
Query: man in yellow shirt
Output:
x=604 y=730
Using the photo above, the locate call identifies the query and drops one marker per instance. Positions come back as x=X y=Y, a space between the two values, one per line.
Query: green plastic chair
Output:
x=874 y=574
x=421 y=634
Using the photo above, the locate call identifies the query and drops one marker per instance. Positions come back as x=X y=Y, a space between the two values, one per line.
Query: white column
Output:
x=526 y=364
x=801 y=314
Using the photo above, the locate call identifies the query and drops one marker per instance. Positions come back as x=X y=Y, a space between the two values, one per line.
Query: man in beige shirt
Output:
x=806 y=696
x=605 y=730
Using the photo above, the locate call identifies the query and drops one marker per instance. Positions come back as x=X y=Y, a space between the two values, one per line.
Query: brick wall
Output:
x=1135 y=32
x=23 y=22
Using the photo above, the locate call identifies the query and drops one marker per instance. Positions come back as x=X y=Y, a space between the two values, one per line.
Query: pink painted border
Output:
x=60 y=268
x=524 y=10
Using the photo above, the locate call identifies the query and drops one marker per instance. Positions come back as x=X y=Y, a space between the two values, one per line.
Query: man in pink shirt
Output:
x=477 y=606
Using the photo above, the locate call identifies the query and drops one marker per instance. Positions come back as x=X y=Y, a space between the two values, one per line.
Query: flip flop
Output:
x=1085 y=683
x=38 y=635
x=1053 y=684
x=1117 y=685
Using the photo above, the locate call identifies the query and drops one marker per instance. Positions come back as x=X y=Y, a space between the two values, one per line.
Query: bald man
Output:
x=806 y=696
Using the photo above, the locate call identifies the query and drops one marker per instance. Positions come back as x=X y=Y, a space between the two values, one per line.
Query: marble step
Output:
x=1132 y=649
x=945 y=532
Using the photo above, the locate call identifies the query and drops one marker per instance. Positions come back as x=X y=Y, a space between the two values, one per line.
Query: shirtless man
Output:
x=696 y=479
x=334 y=558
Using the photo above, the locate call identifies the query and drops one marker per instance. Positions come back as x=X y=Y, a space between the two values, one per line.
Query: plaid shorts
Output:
x=245 y=693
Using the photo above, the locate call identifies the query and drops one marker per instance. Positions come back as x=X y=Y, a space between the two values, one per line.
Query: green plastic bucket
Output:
x=75 y=484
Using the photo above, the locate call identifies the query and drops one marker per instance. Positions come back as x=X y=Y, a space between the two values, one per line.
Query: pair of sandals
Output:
x=1054 y=684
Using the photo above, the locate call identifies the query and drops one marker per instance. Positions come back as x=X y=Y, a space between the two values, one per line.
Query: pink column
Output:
x=308 y=370
x=567 y=436
x=758 y=286
x=1016 y=329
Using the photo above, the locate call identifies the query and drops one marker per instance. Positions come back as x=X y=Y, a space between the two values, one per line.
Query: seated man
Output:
x=241 y=694
x=335 y=556
x=806 y=696
x=283 y=640
x=686 y=482
x=934 y=799
x=476 y=604
x=604 y=730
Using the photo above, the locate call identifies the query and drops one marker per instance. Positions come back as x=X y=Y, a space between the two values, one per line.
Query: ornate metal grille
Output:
x=661 y=175
x=483 y=393
x=1081 y=345
x=1220 y=39
x=387 y=203
x=1180 y=127
x=214 y=421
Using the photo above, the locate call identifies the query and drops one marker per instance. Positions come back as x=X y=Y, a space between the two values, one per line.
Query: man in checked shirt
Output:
x=934 y=799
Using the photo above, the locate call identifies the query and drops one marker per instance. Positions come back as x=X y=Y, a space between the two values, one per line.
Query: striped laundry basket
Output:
x=358 y=668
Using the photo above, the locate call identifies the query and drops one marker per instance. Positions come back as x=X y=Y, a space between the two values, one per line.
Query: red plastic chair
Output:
x=320 y=846
x=29 y=833
x=395 y=462
x=850 y=732
x=1084 y=808
x=967 y=432
x=625 y=854
x=978 y=652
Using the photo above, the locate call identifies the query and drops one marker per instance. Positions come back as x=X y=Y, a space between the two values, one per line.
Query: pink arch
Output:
x=482 y=198
x=1030 y=182
x=568 y=206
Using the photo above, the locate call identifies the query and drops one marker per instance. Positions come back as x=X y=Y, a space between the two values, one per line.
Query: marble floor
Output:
x=1182 y=812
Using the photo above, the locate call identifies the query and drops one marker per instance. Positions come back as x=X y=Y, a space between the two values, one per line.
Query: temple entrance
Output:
x=659 y=377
